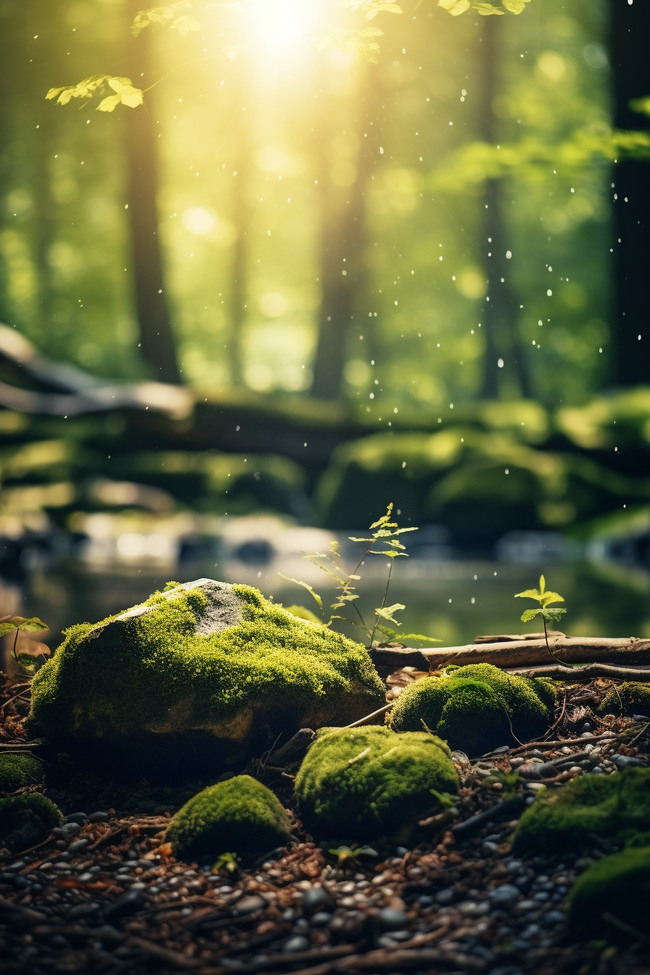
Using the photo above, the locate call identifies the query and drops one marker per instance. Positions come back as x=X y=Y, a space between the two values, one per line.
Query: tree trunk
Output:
x=504 y=366
x=630 y=33
x=343 y=236
x=156 y=337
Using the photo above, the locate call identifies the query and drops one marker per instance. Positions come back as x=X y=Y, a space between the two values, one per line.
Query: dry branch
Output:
x=520 y=653
x=608 y=671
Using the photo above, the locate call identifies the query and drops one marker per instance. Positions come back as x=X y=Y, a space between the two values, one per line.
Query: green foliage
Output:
x=457 y=7
x=476 y=708
x=227 y=862
x=617 y=885
x=625 y=699
x=14 y=624
x=354 y=852
x=26 y=819
x=125 y=93
x=17 y=771
x=239 y=815
x=128 y=677
x=616 y=808
x=161 y=15
x=362 y=782
x=544 y=597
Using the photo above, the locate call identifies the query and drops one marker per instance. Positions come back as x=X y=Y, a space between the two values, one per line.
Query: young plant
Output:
x=384 y=540
x=14 y=624
x=544 y=597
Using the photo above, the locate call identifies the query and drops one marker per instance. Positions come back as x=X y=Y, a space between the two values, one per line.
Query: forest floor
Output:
x=104 y=894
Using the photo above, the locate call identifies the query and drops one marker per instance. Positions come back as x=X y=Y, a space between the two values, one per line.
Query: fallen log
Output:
x=520 y=653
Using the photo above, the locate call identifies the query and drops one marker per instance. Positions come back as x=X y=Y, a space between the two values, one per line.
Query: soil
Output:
x=104 y=894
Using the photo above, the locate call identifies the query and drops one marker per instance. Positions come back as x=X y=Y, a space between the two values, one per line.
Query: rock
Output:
x=25 y=820
x=476 y=708
x=239 y=816
x=298 y=943
x=505 y=894
x=613 y=807
x=617 y=884
x=98 y=817
x=127 y=904
x=317 y=899
x=445 y=897
x=391 y=919
x=362 y=782
x=199 y=665
x=18 y=771
x=320 y=920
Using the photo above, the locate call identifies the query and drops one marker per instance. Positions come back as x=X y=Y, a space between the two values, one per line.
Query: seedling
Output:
x=228 y=862
x=343 y=853
x=544 y=597
x=14 y=624
x=384 y=540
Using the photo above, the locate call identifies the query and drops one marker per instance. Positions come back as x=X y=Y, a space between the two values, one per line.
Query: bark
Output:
x=630 y=32
x=520 y=653
x=157 y=344
x=343 y=237
x=500 y=311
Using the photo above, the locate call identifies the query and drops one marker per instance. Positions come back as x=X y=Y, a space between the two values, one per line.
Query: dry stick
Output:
x=368 y=718
x=19 y=746
x=585 y=673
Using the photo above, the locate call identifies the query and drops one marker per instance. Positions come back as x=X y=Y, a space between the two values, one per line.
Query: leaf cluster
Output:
x=544 y=597
x=457 y=7
x=14 y=624
x=161 y=15
x=125 y=93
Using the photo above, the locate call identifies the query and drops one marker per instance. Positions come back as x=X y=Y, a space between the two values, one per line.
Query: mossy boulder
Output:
x=627 y=698
x=202 y=664
x=17 y=771
x=26 y=820
x=613 y=807
x=238 y=816
x=619 y=885
x=362 y=782
x=476 y=708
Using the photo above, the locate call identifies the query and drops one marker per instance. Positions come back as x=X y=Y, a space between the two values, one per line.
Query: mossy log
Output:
x=508 y=653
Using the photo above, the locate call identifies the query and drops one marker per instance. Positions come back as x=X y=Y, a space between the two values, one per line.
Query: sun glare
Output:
x=281 y=24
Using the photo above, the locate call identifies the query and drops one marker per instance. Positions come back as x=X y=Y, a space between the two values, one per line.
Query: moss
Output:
x=18 y=771
x=359 y=782
x=153 y=673
x=26 y=820
x=618 y=884
x=614 y=807
x=238 y=816
x=476 y=708
x=628 y=698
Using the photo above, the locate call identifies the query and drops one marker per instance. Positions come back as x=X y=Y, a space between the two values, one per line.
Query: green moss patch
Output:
x=627 y=698
x=364 y=782
x=26 y=819
x=17 y=771
x=618 y=885
x=614 y=807
x=476 y=708
x=208 y=659
x=238 y=816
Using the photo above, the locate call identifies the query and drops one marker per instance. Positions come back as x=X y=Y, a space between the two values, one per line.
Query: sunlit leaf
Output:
x=530 y=614
x=8 y=624
x=185 y=25
x=387 y=612
x=304 y=585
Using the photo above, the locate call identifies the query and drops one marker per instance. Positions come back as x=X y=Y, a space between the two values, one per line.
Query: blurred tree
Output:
x=504 y=366
x=629 y=48
x=157 y=344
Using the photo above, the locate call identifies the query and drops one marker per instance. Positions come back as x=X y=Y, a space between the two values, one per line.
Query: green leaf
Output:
x=454 y=7
x=304 y=585
x=530 y=614
x=9 y=624
x=387 y=612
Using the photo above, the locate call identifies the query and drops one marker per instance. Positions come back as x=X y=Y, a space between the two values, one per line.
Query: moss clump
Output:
x=360 y=782
x=238 y=816
x=476 y=708
x=216 y=660
x=26 y=820
x=17 y=771
x=614 y=807
x=618 y=884
x=628 y=698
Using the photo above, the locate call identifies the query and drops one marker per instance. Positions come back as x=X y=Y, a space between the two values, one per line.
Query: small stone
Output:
x=488 y=847
x=318 y=899
x=553 y=917
x=320 y=919
x=83 y=910
x=98 y=817
x=505 y=894
x=530 y=770
x=248 y=905
x=297 y=943
x=77 y=817
x=445 y=897
x=128 y=903
x=392 y=919
x=78 y=845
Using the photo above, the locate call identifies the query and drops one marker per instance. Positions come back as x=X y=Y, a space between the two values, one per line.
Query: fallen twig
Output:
x=166 y=955
x=586 y=673
x=505 y=809
x=368 y=718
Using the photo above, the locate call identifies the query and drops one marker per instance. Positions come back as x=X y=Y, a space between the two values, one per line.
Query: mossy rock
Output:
x=238 y=816
x=17 y=771
x=476 y=708
x=627 y=698
x=613 y=807
x=26 y=820
x=205 y=670
x=362 y=782
x=619 y=885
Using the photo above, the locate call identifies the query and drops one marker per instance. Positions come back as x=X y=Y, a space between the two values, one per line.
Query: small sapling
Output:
x=549 y=614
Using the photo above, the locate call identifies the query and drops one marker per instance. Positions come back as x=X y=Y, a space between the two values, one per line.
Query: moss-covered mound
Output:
x=238 y=816
x=18 y=771
x=619 y=885
x=628 y=698
x=207 y=660
x=614 y=807
x=26 y=820
x=476 y=707
x=364 y=782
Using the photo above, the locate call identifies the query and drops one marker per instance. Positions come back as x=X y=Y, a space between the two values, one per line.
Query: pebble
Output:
x=77 y=817
x=320 y=919
x=392 y=919
x=297 y=943
x=505 y=894
x=98 y=817
x=445 y=896
x=127 y=904
x=248 y=905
